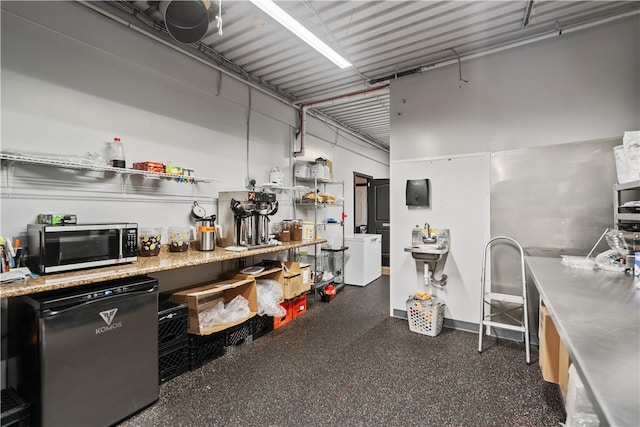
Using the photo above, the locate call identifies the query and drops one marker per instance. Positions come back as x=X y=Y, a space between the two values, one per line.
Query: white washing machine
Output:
x=364 y=259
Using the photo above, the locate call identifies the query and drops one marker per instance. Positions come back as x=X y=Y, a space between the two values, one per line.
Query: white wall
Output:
x=72 y=80
x=459 y=193
x=580 y=86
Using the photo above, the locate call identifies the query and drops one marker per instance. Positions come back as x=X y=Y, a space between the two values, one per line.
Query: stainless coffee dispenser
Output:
x=206 y=233
x=247 y=214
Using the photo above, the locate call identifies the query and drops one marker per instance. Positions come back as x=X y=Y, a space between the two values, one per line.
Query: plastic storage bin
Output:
x=425 y=316
x=262 y=325
x=204 y=348
x=238 y=335
x=173 y=361
x=172 y=323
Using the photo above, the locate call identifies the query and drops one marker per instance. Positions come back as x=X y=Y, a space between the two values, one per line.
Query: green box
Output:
x=57 y=219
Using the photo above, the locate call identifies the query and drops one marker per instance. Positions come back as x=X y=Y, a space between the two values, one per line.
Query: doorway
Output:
x=379 y=218
x=371 y=210
x=361 y=184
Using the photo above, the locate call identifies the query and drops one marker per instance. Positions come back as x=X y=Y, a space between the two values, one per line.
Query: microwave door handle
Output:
x=120 y=243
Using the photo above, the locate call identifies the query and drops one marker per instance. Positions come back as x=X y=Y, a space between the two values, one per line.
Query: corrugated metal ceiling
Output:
x=380 y=38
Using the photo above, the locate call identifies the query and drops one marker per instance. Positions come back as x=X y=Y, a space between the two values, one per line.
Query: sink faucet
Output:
x=428 y=227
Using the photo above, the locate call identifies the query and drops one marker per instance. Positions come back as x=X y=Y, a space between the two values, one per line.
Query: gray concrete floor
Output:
x=348 y=363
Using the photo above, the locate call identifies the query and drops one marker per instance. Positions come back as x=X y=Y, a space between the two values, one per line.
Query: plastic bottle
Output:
x=116 y=154
x=416 y=235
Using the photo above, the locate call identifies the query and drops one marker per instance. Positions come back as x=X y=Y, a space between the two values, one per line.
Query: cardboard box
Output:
x=274 y=273
x=554 y=359
x=173 y=170
x=296 y=279
x=149 y=166
x=302 y=283
x=57 y=219
x=549 y=346
x=207 y=295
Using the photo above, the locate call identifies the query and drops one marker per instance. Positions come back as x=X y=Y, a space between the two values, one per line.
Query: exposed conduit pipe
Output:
x=555 y=33
x=248 y=133
x=330 y=101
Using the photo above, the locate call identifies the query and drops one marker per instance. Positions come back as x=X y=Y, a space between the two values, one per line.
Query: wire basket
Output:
x=425 y=316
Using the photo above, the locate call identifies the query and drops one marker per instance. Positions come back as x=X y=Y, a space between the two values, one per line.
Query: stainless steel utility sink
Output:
x=432 y=256
x=427 y=251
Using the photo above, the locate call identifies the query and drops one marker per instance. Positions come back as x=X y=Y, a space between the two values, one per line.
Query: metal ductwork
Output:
x=189 y=21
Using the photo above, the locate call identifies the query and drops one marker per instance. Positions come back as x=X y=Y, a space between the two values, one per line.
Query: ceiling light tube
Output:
x=274 y=11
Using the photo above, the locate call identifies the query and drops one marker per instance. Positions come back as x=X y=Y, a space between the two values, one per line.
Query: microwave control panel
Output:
x=130 y=242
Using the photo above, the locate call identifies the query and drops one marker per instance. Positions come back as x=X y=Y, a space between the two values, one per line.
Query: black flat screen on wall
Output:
x=417 y=193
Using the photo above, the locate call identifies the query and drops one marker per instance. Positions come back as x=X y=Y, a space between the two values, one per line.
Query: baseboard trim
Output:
x=473 y=327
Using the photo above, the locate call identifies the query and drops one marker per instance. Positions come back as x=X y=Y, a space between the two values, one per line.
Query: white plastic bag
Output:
x=580 y=411
x=269 y=294
x=236 y=309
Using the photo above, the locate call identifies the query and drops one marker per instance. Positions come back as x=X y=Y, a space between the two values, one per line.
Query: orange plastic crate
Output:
x=280 y=321
x=298 y=306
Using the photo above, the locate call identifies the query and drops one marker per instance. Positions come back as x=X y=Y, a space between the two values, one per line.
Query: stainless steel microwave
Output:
x=59 y=248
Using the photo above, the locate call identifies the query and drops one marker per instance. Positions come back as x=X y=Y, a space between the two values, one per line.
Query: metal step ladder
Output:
x=516 y=302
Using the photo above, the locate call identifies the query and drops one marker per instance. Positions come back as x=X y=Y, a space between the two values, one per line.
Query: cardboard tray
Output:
x=206 y=295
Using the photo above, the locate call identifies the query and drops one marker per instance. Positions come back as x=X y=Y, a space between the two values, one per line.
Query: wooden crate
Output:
x=207 y=295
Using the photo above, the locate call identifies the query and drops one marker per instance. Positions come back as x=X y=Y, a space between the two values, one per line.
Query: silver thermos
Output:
x=206 y=233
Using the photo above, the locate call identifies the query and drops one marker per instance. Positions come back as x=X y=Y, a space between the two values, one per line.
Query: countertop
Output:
x=164 y=261
x=597 y=315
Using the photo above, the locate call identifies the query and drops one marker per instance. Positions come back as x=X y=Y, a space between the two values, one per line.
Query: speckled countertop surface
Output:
x=164 y=261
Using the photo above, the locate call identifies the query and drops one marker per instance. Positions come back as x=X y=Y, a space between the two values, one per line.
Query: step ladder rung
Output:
x=495 y=296
x=518 y=328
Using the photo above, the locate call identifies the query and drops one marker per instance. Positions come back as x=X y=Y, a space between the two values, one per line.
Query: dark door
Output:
x=378 y=213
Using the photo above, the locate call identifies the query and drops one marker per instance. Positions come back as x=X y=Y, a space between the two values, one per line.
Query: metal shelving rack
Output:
x=622 y=193
x=12 y=159
x=320 y=186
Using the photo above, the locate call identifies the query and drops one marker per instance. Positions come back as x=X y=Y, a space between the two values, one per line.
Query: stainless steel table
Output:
x=597 y=315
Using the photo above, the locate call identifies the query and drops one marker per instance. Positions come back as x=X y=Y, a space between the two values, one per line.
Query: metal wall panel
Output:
x=553 y=200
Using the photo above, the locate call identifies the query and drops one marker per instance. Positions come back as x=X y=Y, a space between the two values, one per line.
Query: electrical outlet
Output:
x=249 y=183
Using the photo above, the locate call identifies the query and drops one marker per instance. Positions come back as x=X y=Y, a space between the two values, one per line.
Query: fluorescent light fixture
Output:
x=274 y=11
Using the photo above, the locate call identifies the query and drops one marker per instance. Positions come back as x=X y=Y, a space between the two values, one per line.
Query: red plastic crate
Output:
x=280 y=321
x=298 y=306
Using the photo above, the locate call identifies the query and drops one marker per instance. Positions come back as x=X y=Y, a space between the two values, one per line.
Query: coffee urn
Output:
x=248 y=214
x=206 y=233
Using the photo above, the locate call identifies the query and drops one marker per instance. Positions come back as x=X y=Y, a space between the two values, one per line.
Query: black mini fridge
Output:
x=88 y=356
